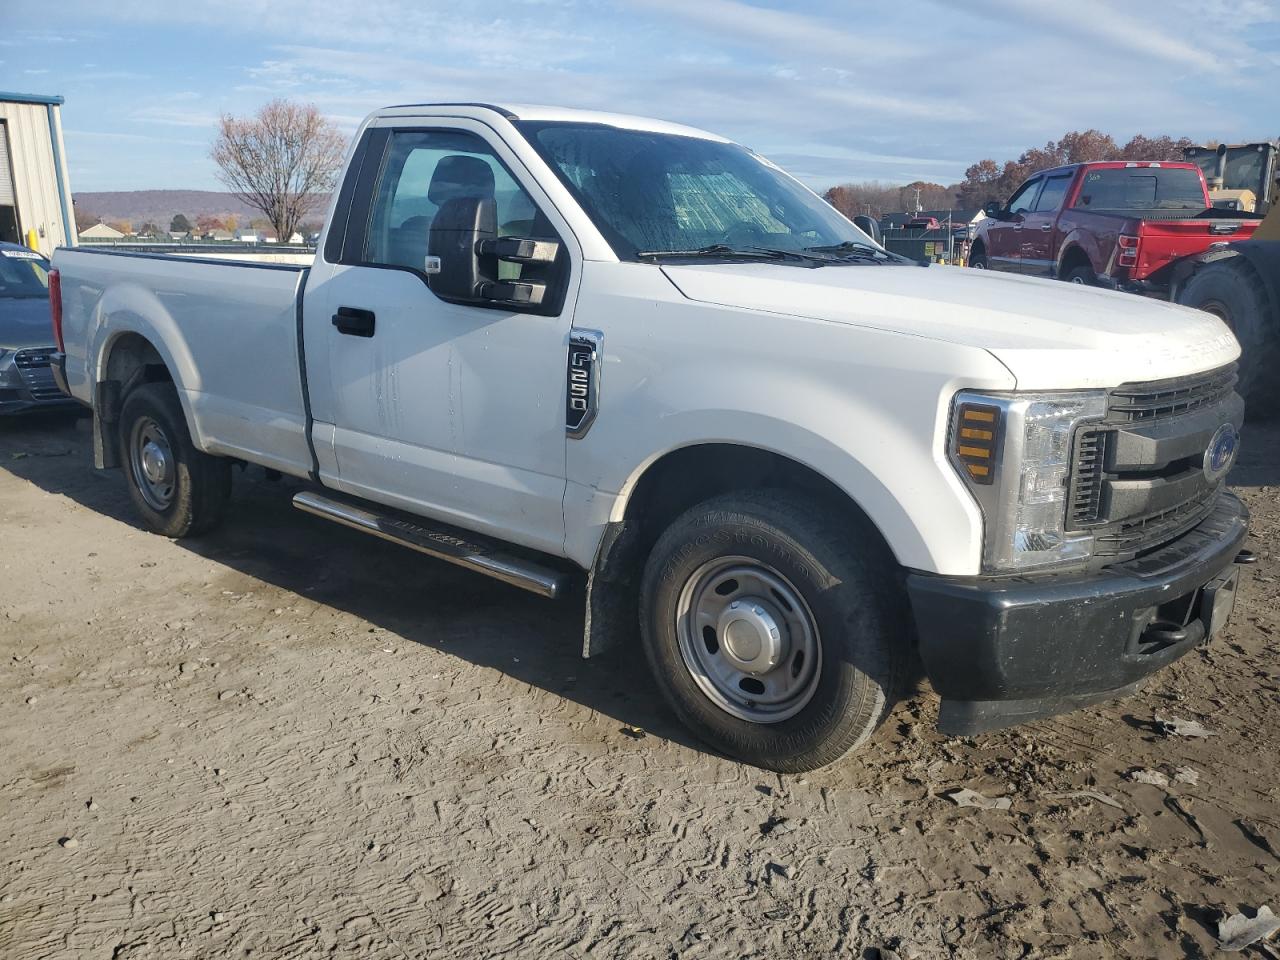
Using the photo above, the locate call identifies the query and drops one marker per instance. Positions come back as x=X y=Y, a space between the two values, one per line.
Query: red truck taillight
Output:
x=55 y=307
x=1128 y=250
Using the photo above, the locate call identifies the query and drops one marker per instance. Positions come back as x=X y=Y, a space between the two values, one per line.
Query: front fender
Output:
x=865 y=408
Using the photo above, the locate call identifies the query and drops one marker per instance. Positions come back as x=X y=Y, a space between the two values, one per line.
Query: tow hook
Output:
x=1246 y=558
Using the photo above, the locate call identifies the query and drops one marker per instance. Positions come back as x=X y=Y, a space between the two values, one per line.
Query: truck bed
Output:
x=245 y=397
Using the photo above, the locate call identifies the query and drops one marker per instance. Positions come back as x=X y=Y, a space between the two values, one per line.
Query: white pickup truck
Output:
x=559 y=346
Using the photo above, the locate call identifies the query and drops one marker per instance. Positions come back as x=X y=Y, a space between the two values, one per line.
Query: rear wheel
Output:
x=773 y=633
x=1232 y=290
x=177 y=490
x=1083 y=275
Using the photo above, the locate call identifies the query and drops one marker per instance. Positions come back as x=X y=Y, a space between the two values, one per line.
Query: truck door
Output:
x=1038 y=248
x=454 y=411
x=1004 y=238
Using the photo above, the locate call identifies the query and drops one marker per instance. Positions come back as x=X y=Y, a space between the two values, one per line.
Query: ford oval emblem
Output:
x=1221 y=453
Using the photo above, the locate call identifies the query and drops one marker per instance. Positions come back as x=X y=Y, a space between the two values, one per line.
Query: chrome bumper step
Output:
x=441 y=543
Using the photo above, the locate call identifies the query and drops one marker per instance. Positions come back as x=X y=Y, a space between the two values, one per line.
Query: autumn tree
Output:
x=207 y=223
x=281 y=161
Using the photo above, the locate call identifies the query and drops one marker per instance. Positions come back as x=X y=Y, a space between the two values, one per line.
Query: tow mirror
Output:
x=869 y=226
x=463 y=250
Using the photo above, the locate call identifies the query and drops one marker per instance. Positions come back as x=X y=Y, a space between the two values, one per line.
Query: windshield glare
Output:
x=657 y=192
x=23 y=274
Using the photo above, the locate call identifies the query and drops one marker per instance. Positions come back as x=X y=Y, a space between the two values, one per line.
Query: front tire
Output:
x=978 y=259
x=177 y=490
x=775 y=634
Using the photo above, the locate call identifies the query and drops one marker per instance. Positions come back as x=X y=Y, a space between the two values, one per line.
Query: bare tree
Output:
x=282 y=161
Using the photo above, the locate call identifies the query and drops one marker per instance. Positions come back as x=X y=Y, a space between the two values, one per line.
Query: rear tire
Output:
x=823 y=591
x=1232 y=290
x=177 y=490
x=1083 y=275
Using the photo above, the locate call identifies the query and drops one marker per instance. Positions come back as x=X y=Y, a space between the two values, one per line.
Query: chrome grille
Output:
x=37 y=373
x=1163 y=399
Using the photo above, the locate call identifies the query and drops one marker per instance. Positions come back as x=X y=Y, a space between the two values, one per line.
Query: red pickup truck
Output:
x=1114 y=223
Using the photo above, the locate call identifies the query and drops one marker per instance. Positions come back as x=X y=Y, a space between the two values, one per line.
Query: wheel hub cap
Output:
x=154 y=462
x=753 y=640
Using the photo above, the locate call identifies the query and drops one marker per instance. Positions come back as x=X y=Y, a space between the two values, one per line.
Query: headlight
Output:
x=1014 y=453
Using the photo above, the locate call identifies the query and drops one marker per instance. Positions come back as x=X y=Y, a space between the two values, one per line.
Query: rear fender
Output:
x=129 y=308
x=1079 y=241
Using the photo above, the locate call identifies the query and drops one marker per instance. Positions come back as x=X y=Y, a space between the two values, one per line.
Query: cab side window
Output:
x=1054 y=192
x=424 y=169
x=1022 y=200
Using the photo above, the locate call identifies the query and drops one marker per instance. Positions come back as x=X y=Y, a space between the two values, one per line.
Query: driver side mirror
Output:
x=463 y=251
x=870 y=227
x=994 y=210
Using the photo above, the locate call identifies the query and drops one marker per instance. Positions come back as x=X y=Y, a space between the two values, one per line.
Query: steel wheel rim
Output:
x=979 y=265
x=151 y=462
x=749 y=639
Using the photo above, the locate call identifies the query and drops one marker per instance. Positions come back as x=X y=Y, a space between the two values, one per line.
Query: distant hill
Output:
x=160 y=206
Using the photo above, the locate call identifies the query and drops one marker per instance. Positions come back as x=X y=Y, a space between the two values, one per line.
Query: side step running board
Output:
x=440 y=544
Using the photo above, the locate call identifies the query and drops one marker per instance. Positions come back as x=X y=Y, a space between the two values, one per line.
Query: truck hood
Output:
x=24 y=322
x=1051 y=335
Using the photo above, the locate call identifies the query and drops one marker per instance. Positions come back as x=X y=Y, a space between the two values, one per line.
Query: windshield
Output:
x=23 y=273
x=1245 y=169
x=1141 y=188
x=657 y=193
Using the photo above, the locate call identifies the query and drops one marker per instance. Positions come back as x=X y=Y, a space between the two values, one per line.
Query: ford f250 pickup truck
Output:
x=561 y=347
x=1113 y=223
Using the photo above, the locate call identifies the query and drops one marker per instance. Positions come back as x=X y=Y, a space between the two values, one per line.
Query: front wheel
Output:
x=177 y=490
x=774 y=634
x=978 y=260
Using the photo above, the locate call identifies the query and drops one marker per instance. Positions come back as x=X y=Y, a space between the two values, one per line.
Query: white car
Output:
x=549 y=344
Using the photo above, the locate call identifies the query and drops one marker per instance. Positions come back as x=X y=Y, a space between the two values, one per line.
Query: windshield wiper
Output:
x=857 y=251
x=720 y=251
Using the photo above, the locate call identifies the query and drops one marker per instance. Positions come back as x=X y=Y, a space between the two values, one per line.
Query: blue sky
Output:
x=834 y=91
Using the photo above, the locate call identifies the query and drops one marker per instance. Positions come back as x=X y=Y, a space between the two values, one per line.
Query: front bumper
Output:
x=1004 y=651
x=33 y=384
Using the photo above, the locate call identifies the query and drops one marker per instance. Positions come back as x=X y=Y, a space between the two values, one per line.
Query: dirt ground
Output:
x=290 y=740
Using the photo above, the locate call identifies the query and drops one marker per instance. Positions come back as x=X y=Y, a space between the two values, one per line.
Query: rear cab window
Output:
x=1124 y=189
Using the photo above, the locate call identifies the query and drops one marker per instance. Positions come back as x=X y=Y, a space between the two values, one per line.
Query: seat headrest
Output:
x=458 y=175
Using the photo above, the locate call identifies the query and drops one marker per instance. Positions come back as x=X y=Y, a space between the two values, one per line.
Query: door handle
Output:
x=1046 y=227
x=354 y=321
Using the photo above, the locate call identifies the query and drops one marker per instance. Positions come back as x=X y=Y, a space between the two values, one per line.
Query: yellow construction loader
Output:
x=1240 y=282
x=1241 y=176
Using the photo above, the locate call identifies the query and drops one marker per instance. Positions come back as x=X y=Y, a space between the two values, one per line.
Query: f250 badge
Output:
x=582 y=398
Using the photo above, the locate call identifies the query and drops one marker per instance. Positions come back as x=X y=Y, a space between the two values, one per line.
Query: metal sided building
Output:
x=35 y=194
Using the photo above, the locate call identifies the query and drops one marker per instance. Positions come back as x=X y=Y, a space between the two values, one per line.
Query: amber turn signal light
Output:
x=974 y=443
